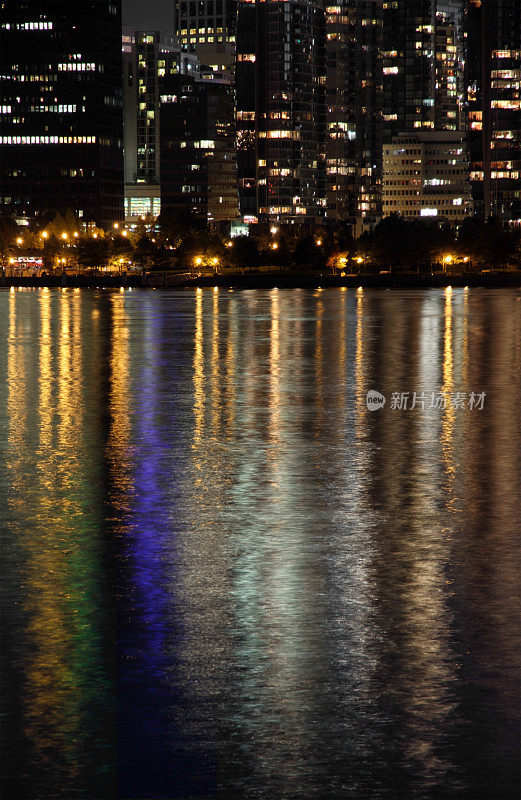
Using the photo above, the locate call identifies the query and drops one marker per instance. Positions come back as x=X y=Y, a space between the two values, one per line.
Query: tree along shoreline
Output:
x=176 y=240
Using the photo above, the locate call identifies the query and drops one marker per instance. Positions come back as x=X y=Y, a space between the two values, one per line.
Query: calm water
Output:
x=224 y=577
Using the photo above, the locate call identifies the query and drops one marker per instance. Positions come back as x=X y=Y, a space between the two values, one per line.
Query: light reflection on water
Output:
x=224 y=577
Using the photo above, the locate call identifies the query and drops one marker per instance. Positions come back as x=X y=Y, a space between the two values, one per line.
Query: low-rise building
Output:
x=426 y=174
x=142 y=202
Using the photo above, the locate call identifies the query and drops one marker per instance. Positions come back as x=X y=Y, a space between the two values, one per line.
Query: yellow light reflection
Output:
x=360 y=404
x=274 y=368
x=198 y=371
x=448 y=415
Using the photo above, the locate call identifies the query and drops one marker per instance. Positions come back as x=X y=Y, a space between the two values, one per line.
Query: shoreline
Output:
x=269 y=280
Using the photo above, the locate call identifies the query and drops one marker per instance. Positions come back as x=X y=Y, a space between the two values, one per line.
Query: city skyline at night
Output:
x=316 y=94
x=260 y=429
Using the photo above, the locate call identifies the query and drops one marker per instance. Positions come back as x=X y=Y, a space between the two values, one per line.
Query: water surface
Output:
x=224 y=577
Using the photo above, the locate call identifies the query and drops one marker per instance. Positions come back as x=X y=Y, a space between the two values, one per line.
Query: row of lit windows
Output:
x=429 y=212
x=48 y=140
x=80 y=67
x=510 y=105
x=138 y=206
x=194 y=31
x=27 y=26
x=454 y=201
x=279 y=134
x=59 y=109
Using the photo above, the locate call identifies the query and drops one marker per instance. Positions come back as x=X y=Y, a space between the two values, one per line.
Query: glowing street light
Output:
x=198 y=261
x=44 y=235
x=65 y=236
x=274 y=246
x=359 y=260
x=124 y=233
x=19 y=240
x=319 y=242
x=76 y=234
x=116 y=225
x=215 y=261
x=94 y=235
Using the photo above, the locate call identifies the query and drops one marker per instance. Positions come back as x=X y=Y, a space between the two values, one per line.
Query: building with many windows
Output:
x=290 y=111
x=61 y=122
x=151 y=63
x=425 y=174
x=208 y=29
x=353 y=101
x=198 y=157
x=494 y=107
x=245 y=100
x=422 y=64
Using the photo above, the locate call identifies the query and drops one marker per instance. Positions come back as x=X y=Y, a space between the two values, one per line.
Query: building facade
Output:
x=425 y=174
x=290 y=111
x=198 y=155
x=151 y=65
x=422 y=64
x=245 y=116
x=494 y=107
x=61 y=120
x=354 y=30
x=208 y=28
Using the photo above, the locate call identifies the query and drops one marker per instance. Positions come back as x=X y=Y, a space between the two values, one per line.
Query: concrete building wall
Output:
x=426 y=175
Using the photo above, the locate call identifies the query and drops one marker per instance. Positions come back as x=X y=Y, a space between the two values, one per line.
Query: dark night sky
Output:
x=149 y=14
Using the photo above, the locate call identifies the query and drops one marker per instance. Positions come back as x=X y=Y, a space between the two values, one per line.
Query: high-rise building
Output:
x=198 y=161
x=423 y=59
x=148 y=60
x=354 y=120
x=245 y=99
x=208 y=29
x=61 y=122
x=425 y=174
x=150 y=63
x=494 y=107
x=290 y=113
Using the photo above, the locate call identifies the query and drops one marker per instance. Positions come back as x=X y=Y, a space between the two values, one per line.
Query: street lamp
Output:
x=19 y=240
x=65 y=236
x=45 y=235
